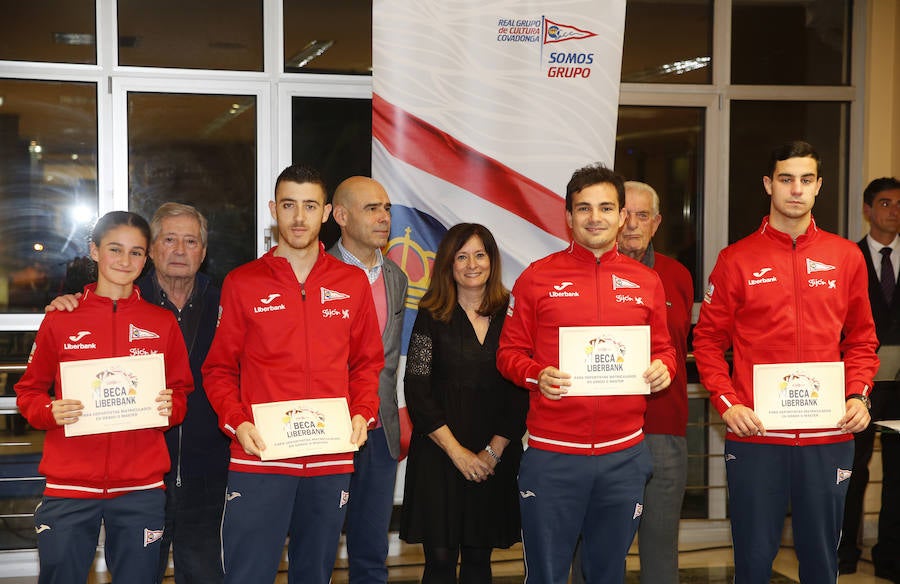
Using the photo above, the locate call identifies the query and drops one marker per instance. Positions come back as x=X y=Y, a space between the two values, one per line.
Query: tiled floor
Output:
x=698 y=566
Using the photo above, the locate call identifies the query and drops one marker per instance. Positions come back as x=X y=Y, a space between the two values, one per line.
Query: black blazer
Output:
x=887 y=318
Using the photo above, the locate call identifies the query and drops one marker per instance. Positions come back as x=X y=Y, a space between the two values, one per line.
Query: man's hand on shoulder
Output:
x=66 y=303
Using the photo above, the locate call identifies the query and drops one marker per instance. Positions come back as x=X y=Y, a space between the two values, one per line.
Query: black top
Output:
x=452 y=379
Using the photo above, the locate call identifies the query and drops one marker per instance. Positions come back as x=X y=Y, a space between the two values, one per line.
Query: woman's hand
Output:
x=469 y=464
x=66 y=411
x=488 y=460
x=472 y=466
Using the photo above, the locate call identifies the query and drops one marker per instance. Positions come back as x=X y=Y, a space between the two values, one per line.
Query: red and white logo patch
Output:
x=151 y=535
x=843 y=475
x=139 y=334
x=638 y=510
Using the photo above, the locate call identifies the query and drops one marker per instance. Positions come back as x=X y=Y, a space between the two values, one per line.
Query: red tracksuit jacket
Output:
x=279 y=340
x=776 y=301
x=574 y=288
x=103 y=466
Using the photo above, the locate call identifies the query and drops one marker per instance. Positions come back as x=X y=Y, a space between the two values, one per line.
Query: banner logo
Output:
x=560 y=63
x=555 y=32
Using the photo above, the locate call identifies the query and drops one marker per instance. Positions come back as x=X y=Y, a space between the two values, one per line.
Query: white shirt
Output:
x=875 y=250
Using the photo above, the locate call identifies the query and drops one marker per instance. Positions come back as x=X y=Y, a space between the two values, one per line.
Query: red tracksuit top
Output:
x=776 y=301
x=102 y=466
x=667 y=411
x=573 y=288
x=279 y=340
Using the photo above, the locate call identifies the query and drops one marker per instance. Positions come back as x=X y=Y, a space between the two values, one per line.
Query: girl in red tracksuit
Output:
x=115 y=477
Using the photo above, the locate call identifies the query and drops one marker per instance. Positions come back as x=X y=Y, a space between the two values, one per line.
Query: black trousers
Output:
x=886 y=553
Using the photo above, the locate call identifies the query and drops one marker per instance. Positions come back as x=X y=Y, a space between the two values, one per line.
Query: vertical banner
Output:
x=481 y=111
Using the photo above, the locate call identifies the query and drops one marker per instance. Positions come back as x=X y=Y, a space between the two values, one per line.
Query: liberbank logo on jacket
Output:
x=77 y=345
x=561 y=290
x=760 y=277
x=267 y=305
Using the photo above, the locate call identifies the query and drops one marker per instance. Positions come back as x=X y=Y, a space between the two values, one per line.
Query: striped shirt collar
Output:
x=373 y=272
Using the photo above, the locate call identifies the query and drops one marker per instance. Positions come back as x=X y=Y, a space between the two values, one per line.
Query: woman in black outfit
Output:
x=461 y=497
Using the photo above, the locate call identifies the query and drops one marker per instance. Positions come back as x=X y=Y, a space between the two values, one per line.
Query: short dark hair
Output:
x=594 y=174
x=885 y=183
x=440 y=299
x=302 y=174
x=115 y=219
x=795 y=149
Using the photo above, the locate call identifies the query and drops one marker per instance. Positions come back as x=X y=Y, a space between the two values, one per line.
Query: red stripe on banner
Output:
x=436 y=152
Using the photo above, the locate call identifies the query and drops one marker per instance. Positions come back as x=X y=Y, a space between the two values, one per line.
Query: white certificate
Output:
x=304 y=427
x=605 y=360
x=799 y=396
x=118 y=393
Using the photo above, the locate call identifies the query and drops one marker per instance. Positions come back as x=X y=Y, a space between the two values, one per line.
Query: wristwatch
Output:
x=863 y=398
x=492 y=452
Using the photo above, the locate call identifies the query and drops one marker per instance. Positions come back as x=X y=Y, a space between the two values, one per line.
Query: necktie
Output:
x=888 y=279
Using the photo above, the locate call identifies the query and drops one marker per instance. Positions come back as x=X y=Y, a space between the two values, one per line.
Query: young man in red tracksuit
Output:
x=586 y=465
x=788 y=293
x=296 y=323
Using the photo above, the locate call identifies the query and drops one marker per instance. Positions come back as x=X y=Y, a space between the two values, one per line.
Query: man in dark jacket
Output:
x=881 y=207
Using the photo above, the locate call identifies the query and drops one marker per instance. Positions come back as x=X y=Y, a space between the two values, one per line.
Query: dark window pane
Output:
x=663 y=147
x=50 y=31
x=199 y=150
x=227 y=34
x=328 y=37
x=48 y=187
x=757 y=128
x=333 y=135
x=20 y=450
x=791 y=42
x=696 y=495
x=668 y=42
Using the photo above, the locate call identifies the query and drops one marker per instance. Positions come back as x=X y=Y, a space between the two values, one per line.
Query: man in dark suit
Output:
x=881 y=248
x=362 y=209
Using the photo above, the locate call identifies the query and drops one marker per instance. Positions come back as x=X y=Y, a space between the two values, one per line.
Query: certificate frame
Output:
x=799 y=396
x=304 y=427
x=605 y=360
x=118 y=393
